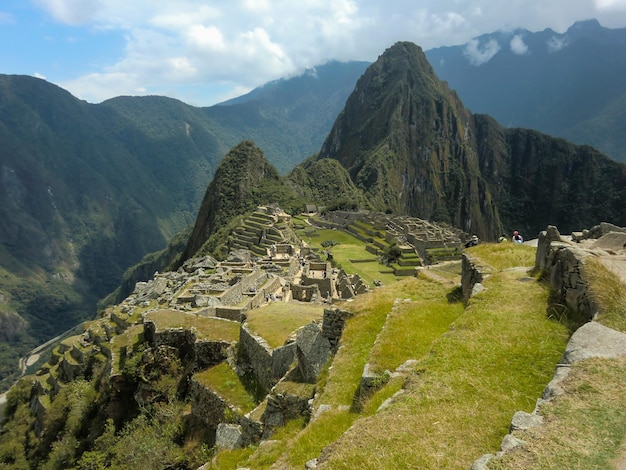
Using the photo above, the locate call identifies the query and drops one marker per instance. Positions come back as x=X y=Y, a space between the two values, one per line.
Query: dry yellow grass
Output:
x=206 y=327
x=278 y=320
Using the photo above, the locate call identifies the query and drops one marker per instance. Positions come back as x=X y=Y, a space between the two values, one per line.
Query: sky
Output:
x=204 y=52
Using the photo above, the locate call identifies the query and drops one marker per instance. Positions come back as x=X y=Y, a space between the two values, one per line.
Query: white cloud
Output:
x=71 y=11
x=555 y=44
x=518 y=46
x=170 y=45
x=479 y=54
x=101 y=86
x=611 y=4
x=38 y=75
x=208 y=37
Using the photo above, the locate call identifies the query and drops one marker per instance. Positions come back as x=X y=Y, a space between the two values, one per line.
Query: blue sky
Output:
x=203 y=52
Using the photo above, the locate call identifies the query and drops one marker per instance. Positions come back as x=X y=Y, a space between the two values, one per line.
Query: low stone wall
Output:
x=304 y=293
x=473 y=273
x=268 y=365
x=229 y=313
x=207 y=405
x=202 y=353
x=324 y=285
x=285 y=404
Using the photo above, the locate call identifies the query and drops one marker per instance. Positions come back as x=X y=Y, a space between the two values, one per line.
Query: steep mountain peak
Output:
x=591 y=25
x=404 y=61
x=406 y=140
x=243 y=180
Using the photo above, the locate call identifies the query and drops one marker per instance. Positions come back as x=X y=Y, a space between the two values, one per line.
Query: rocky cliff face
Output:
x=410 y=144
x=407 y=140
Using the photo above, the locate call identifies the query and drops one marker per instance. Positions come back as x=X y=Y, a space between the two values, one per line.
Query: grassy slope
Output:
x=476 y=367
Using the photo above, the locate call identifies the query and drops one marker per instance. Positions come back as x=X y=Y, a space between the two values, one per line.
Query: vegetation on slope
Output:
x=495 y=356
x=438 y=361
x=87 y=190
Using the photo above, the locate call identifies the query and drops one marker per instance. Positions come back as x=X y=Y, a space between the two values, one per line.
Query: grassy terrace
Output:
x=476 y=367
x=206 y=327
x=225 y=382
x=349 y=248
x=276 y=321
x=413 y=326
x=120 y=345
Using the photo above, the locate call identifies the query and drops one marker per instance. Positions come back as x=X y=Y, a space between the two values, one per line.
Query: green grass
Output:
x=609 y=292
x=496 y=356
x=583 y=429
x=349 y=248
x=495 y=360
x=225 y=382
x=278 y=320
x=206 y=327
x=504 y=255
x=410 y=331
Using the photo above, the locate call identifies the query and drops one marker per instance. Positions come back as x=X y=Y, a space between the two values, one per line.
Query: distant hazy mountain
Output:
x=570 y=85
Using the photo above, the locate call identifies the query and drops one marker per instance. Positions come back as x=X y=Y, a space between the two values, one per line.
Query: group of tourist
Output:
x=516 y=238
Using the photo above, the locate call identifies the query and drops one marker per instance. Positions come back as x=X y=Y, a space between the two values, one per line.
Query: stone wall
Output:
x=207 y=405
x=267 y=365
x=473 y=273
x=229 y=313
x=562 y=264
x=304 y=293
x=203 y=353
x=325 y=285
x=234 y=295
x=332 y=325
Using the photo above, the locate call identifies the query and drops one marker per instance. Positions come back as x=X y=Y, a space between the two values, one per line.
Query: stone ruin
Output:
x=432 y=242
x=562 y=260
x=205 y=290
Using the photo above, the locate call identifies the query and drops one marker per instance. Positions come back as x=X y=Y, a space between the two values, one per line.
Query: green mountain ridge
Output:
x=88 y=190
x=413 y=148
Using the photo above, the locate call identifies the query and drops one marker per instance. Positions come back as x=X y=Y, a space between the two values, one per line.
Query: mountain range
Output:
x=87 y=190
x=408 y=146
x=566 y=84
